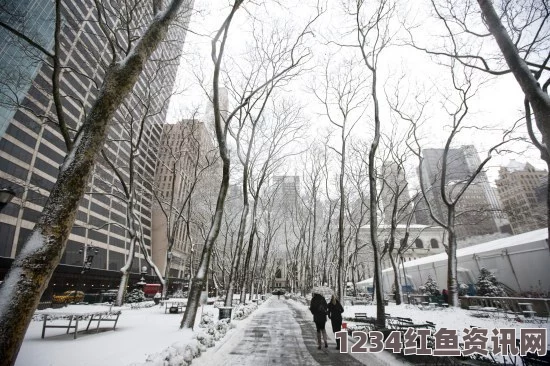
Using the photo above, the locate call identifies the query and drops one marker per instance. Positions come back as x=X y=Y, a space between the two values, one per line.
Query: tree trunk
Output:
x=341 y=248
x=452 y=283
x=538 y=99
x=245 y=282
x=32 y=269
x=193 y=301
x=396 y=280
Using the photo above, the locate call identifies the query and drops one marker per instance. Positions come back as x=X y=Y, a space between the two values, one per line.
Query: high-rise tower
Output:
x=479 y=207
x=31 y=144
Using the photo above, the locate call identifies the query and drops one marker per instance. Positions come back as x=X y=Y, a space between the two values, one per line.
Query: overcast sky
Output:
x=498 y=102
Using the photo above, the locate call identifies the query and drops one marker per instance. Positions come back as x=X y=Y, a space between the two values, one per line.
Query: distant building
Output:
x=185 y=171
x=395 y=187
x=479 y=208
x=522 y=190
x=287 y=193
x=423 y=241
x=286 y=190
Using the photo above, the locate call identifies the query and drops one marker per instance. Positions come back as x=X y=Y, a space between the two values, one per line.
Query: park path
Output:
x=280 y=332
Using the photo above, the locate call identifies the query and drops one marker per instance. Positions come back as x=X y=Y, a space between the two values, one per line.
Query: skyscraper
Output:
x=479 y=207
x=31 y=144
x=287 y=191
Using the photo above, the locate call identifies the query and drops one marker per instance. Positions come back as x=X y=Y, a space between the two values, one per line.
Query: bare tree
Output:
x=449 y=191
x=521 y=32
x=342 y=94
x=188 y=162
x=357 y=202
x=281 y=130
x=293 y=57
x=373 y=31
x=34 y=266
x=398 y=205
x=312 y=179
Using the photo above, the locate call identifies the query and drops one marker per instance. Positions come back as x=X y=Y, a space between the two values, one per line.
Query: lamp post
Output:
x=142 y=282
x=6 y=195
x=89 y=251
x=169 y=255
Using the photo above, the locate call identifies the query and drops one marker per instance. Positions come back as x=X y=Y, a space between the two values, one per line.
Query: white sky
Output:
x=499 y=101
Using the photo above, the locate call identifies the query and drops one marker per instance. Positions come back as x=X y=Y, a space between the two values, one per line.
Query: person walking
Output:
x=318 y=308
x=445 y=296
x=335 y=311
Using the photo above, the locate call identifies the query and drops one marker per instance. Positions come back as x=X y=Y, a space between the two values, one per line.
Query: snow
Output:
x=70 y=158
x=8 y=288
x=81 y=310
x=450 y=318
x=35 y=242
x=150 y=334
x=443 y=317
x=139 y=333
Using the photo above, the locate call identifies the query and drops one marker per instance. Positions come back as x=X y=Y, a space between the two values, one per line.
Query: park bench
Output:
x=174 y=305
x=92 y=316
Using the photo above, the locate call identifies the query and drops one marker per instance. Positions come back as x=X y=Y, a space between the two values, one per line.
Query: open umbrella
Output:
x=324 y=291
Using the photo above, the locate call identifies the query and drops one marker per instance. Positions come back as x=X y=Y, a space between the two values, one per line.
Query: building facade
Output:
x=519 y=187
x=32 y=147
x=185 y=179
x=423 y=241
x=479 y=209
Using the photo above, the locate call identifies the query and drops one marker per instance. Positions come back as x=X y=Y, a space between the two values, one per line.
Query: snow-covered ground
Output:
x=139 y=333
x=142 y=332
x=450 y=318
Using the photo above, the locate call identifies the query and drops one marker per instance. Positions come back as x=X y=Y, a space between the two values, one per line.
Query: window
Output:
x=419 y=244
x=434 y=243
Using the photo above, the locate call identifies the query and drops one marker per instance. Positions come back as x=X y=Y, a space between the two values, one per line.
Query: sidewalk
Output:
x=330 y=355
x=282 y=332
x=271 y=336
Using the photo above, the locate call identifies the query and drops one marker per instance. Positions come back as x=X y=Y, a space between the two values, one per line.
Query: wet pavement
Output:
x=280 y=332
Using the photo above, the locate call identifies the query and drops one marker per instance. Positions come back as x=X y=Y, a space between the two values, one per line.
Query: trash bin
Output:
x=225 y=313
x=263 y=297
x=156 y=300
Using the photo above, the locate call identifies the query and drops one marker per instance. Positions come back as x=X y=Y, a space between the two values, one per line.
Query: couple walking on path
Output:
x=320 y=309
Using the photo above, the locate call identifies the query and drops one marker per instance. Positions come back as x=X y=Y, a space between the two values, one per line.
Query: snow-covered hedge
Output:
x=242 y=311
x=142 y=304
x=209 y=332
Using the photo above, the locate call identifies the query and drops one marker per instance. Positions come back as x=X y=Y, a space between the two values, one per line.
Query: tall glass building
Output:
x=32 y=147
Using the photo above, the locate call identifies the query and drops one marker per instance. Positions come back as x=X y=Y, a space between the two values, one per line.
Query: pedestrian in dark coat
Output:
x=445 y=296
x=318 y=308
x=335 y=311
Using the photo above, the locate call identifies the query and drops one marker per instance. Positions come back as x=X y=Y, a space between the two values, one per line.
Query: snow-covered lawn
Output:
x=450 y=318
x=139 y=333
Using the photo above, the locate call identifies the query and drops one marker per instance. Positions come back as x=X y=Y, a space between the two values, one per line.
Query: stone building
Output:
x=185 y=175
x=519 y=187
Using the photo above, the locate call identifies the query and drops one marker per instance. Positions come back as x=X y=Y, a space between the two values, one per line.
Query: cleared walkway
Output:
x=280 y=332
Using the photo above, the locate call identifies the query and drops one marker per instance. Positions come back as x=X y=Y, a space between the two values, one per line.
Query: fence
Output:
x=540 y=305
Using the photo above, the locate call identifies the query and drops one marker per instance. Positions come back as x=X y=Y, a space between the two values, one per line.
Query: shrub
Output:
x=487 y=284
x=136 y=295
x=430 y=287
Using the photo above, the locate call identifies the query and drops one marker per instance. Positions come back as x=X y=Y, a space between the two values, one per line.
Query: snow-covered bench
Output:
x=75 y=315
x=175 y=303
